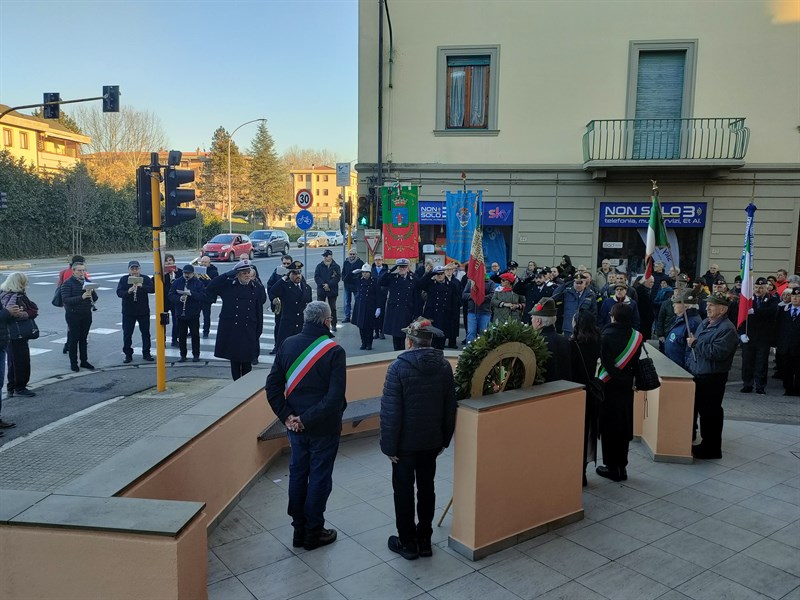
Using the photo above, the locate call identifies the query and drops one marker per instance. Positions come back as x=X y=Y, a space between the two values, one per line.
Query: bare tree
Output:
x=302 y=158
x=122 y=141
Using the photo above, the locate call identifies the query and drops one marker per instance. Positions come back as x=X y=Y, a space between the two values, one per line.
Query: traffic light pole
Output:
x=158 y=276
x=57 y=103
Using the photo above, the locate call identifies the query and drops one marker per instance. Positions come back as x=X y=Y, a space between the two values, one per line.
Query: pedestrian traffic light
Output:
x=174 y=194
x=110 y=98
x=144 y=197
x=363 y=212
x=51 y=111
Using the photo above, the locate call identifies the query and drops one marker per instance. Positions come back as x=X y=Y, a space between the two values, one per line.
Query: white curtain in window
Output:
x=477 y=108
x=457 y=81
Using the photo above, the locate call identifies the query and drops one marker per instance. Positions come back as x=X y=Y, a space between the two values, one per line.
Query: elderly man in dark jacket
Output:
x=135 y=309
x=400 y=301
x=352 y=264
x=418 y=416
x=294 y=295
x=327 y=276
x=308 y=397
x=559 y=364
x=241 y=319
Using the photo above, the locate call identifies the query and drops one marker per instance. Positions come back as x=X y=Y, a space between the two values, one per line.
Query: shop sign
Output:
x=637 y=214
x=614 y=245
x=433 y=212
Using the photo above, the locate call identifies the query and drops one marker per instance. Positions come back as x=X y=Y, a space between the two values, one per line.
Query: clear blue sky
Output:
x=222 y=63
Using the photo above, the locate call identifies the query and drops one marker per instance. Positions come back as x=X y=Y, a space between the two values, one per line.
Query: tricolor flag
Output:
x=476 y=269
x=656 y=234
x=746 y=273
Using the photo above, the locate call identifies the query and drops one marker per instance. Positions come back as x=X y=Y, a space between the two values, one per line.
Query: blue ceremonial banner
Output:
x=461 y=223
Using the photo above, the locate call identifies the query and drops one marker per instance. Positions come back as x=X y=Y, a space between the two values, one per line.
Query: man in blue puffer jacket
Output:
x=675 y=345
x=418 y=417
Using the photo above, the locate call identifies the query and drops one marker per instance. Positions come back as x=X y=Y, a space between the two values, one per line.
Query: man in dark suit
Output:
x=788 y=344
x=756 y=337
x=543 y=319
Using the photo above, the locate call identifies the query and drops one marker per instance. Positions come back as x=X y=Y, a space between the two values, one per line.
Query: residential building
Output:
x=44 y=144
x=327 y=206
x=563 y=112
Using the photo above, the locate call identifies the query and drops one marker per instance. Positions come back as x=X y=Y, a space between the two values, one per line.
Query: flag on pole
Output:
x=656 y=234
x=476 y=269
x=746 y=273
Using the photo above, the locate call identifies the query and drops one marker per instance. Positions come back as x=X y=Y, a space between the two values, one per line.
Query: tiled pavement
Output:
x=722 y=529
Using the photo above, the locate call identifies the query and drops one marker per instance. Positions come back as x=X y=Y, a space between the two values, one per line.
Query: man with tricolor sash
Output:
x=305 y=389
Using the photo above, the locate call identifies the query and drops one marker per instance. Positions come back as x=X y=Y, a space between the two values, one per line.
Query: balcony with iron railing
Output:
x=707 y=143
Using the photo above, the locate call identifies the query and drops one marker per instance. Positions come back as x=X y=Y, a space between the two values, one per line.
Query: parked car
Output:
x=269 y=241
x=228 y=246
x=315 y=239
x=335 y=238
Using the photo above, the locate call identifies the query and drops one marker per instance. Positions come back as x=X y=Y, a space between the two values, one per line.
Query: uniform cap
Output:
x=720 y=281
x=796 y=291
x=685 y=297
x=761 y=281
x=682 y=278
x=188 y=269
x=438 y=269
x=622 y=285
x=545 y=308
x=719 y=298
x=134 y=263
x=327 y=253
x=422 y=328
x=242 y=265
x=295 y=266
x=508 y=277
x=402 y=262
x=365 y=268
x=512 y=264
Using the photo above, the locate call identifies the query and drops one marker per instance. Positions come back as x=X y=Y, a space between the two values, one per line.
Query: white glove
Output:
x=751 y=312
x=377 y=312
x=744 y=338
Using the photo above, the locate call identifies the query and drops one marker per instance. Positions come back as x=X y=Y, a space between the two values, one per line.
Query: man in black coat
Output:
x=441 y=301
x=309 y=399
x=543 y=319
x=400 y=301
x=277 y=274
x=211 y=272
x=756 y=337
x=534 y=289
x=294 y=295
x=788 y=344
x=78 y=305
x=327 y=276
x=352 y=264
x=187 y=295
x=418 y=417
x=135 y=309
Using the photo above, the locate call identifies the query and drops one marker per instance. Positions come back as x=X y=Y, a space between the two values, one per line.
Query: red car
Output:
x=228 y=246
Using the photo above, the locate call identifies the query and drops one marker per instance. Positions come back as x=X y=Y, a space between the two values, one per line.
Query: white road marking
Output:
x=35 y=351
x=103 y=331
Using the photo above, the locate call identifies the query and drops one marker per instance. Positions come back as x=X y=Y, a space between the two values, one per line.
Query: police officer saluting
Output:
x=294 y=295
x=440 y=302
x=400 y=301
x=135 y=309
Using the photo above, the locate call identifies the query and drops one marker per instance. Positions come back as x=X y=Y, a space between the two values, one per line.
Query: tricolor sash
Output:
x=307 y=359
x=633 y=346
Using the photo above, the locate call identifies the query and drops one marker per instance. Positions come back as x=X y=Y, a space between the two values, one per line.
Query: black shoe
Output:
x=746 y=389
x=612 y=473
x=333 y=327
x=6 y=424
x=381 y=336
x=74 y=368
x=273 y=352
x=65 y=350
x=1 y=434
x=323 y=538
x=760 y=391
x=195 y=359
x=182 y=359
x=24 y=392
x=407 y=551
x=701 y=451
x=254 y=362
x=10 y=393
x=205 y=334
x=148 y=358
x=299 y=537
x=127 y=359
x=425 y=548
x=362 y=347
x=369 y=347
x=175 y=344
x=87 y=365
x=346 y=320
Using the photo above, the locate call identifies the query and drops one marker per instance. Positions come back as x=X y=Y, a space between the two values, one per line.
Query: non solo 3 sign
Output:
x=637 y=214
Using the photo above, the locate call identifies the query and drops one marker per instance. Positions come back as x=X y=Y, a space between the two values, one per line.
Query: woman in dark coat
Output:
x=241 y=319
x=365 y=308
x=400 y=284
x=379 y=269
x=566 y=270
x=620 y=346
x=585 y=350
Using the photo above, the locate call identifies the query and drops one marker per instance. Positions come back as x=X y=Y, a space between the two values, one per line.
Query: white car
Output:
x=335 y=238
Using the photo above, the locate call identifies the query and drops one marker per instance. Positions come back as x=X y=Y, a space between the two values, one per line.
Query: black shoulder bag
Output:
x=646 y=376
x=595 y=388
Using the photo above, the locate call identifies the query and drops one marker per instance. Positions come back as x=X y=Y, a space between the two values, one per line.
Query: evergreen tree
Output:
x=268 y=177
x=214 y=182
x=63 y=118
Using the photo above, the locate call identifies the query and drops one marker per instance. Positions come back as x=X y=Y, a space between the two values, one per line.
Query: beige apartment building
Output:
x=44 y=144
x=563 y=112
x=327 y=206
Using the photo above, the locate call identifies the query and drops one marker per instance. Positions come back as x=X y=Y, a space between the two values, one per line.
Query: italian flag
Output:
x=656 y=235
x=746 y=273
x=476 y=270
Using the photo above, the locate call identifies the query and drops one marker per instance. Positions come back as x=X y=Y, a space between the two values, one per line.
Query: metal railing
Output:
x=720 y=138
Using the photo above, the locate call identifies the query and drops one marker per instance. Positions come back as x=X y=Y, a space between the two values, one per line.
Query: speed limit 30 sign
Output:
x=304 y=199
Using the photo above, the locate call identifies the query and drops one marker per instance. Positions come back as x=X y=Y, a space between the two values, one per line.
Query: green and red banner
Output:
x=400 y=221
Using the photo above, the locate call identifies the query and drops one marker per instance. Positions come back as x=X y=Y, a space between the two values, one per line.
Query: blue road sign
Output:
x=304 y=220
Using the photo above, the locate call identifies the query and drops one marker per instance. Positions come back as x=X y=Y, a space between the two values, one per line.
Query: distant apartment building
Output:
x=561 y=113
x=44 y=144
x=327 y=207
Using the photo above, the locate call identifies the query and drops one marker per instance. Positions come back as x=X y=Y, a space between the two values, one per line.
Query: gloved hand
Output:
x=751 y=311
x=744 y=338
x=393 y=269
x=377 y=312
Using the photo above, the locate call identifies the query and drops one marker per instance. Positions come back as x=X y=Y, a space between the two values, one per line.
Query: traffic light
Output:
x=110 y=98
x=51 y=111
x=363 y=212
x=144 y=197
x=174 y=194
x=348 y=211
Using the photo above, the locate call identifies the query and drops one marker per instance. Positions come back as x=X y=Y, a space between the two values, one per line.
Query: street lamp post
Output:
x=230 y=205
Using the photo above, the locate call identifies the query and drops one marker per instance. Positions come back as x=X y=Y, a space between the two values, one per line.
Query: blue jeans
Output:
x=476 y=324
x=349 y=294
x=310 y=479
x=2 y=374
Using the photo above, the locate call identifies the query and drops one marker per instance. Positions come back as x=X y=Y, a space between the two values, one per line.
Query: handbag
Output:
x=595 y=389
x=23 y=330
x=57 y=301
x=646 y=377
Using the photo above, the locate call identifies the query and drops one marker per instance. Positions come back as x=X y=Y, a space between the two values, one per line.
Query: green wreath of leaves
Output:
x=494 y=336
